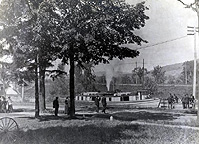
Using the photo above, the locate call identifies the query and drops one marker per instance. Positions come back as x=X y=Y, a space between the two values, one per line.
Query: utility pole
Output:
x=197 y=10
x=195 y=7
x=192 y=31
x=143 y=73
x=136 y=78
x=22 y=90
x=113 y=82
x=185 y=72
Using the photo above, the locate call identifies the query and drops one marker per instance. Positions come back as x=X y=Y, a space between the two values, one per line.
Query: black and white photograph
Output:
x=99 y=71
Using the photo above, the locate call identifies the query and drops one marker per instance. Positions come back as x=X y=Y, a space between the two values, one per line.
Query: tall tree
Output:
x=94 y=31
x=158 y=74
x=30 y=41
x=139 y=72
x=81 y=31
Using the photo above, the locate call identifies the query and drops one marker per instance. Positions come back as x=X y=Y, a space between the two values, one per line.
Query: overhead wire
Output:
x=161 y=42
x=156 y=45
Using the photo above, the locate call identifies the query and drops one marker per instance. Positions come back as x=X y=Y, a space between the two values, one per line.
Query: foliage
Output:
x=139 y=72
x=94 y=31
x=126 y=79
x=97 y=29
x=78 y=31
x=100 y=79
x=85 y=79
x=59 y=86
x=151 y=85
x=187 y=73
x=171 y=79
x=158 y=74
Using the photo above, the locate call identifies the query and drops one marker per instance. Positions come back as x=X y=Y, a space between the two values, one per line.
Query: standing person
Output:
x=183 y=102
x=56 y=105
x=192 y=101
x=176 y=98
x=97 y=99
x=187 y=100
x=10 y=107
x=66 y=106
x=192 y=98
x=104 y=104
x=170 y=101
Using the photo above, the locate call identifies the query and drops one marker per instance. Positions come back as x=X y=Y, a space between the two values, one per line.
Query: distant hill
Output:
x=173 y=70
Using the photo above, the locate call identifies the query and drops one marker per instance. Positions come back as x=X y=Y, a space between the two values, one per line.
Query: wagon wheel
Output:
x=8 y=130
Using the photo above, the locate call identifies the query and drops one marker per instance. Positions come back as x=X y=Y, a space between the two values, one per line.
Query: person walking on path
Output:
x=104 y=104
x=66 y=106
x=97 y=99
x=56 y=106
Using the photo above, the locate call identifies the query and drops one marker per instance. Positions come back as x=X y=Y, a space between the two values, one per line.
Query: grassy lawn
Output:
x=98 y=129
x=62 y=131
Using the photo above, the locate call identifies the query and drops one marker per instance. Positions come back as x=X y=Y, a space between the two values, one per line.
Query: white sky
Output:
x=168 y=20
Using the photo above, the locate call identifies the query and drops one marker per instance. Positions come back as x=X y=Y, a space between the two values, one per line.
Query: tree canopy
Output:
x=76 y=31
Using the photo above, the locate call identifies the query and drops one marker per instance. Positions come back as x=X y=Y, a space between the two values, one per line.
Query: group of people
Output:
x=6 y=105
x=56 y=106
x=188 y=101
x=67 y=105
x=172 y=99
x=103 y=101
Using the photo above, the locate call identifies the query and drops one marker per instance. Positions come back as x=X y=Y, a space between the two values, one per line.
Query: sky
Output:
x=166 y=33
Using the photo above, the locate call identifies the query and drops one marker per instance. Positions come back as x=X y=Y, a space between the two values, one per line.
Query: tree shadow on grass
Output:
x=122 y=116
x=88 y=134
x=143 y=115
x=51 y=117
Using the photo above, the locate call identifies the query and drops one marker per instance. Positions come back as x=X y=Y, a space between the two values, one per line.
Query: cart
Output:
x=8 y=130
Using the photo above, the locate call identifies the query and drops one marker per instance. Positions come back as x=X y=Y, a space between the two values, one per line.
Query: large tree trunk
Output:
x=42 y=89
x=72 y=84
x=36 y=91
